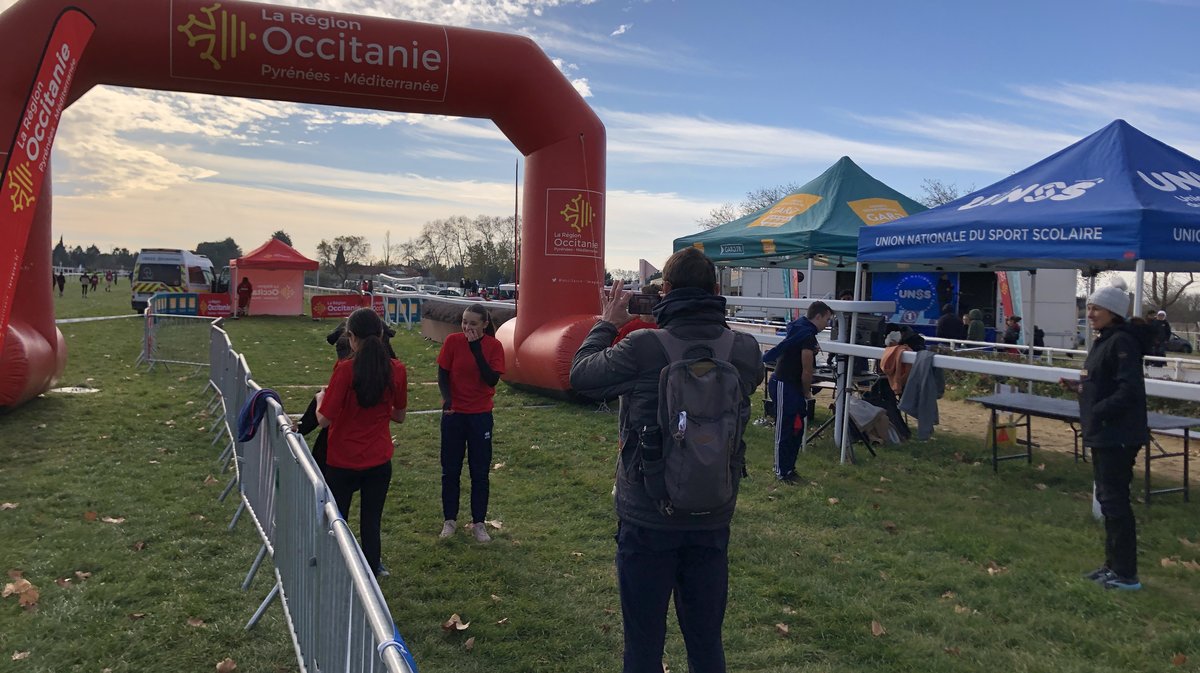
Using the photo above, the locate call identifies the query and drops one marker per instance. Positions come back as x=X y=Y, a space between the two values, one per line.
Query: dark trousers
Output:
x=653 y=564
x=469 y=436
x=790 y=409
x=374 y=483
x=1113 y=470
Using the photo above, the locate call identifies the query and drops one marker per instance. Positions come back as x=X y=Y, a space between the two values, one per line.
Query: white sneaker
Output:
x=479 y=528
x=448 y=528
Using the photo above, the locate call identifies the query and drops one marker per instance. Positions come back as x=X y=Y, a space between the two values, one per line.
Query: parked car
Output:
x=406 y=288
x=449 y=292
x=428 y=289
x=1177 y=344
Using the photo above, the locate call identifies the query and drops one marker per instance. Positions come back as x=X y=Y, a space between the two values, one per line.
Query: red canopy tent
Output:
x=276 y=273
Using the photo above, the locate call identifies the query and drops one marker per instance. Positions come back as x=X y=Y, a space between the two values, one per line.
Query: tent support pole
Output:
x=1031 y=328
x=845 y=382
x=1139 y=277
x=808 y=279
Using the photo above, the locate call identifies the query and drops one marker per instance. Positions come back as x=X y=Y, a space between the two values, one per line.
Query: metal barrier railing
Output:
x=336 y=614
x=172 y=338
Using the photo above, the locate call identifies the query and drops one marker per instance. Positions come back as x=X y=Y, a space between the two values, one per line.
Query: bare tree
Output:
x=934 y=192
x=756 y=200
x=1164 y=289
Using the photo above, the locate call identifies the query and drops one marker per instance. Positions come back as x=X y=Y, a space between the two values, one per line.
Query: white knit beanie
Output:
x=1114 y=298
x=891 y=339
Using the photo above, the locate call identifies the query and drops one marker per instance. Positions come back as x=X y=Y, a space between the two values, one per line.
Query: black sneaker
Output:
x=1122 y=583
x=1099 y=574
x=791 y=479
x=382 y=572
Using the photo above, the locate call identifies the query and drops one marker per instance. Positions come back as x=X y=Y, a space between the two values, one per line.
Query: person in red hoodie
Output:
x=366 y=391
x=469 y=366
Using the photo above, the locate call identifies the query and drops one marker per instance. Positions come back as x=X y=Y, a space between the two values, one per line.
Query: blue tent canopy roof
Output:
x=1107 y=201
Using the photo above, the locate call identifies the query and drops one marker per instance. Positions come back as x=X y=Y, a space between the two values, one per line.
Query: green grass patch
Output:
x=906 y=539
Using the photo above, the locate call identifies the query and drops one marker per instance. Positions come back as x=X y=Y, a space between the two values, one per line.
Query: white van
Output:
x=169 y=270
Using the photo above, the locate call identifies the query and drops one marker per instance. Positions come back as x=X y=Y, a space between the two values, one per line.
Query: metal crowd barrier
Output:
x=170 y=338
x=336 y=614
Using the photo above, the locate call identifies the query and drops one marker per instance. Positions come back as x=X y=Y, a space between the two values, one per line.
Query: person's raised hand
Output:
x=473 y=333
x=614 y=304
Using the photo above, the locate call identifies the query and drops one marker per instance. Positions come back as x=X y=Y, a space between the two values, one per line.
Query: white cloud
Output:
x=621 y=29
x=581 y=85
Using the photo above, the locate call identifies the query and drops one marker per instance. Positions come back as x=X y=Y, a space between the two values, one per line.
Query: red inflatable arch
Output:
x=308 y=56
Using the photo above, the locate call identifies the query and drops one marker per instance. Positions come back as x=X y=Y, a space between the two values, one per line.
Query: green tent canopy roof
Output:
x=819 y=220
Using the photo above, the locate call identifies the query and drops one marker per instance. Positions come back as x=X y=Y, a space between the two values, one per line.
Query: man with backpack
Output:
x=685 y=400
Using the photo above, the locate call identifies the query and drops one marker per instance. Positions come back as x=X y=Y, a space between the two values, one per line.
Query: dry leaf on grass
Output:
x=139 y=545
x=1041 y=467
x=28 y=598
x=884 y=480
x=80 y=575
x=498 y=466
x=195 y=622
x=226 y=665
x=17 y=656
x=8 y=505
x=1040 y=487
x=834 y=501
x=781 y=629
x=1169 y=562
x=109 y=519
x=20 y=586
x=455 y=623
x=961 y=609
x=63 y=582
x=949 y=595
x=877 y=629
x=1179 y=659
x=1183 y=540
x=470 y=644
x=890 y=526
x=210 y=481
x=994 y=568
x=788 y=610
x=495 y=523
x=496 y=599
x=90 y=516
x=137 y=615
x=16 y=573
x=952 y=650
x=503 y=621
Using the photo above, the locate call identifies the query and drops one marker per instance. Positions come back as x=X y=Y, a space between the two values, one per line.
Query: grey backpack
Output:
x=700 y=428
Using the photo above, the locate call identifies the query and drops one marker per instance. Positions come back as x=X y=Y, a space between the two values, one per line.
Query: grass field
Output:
x=963 y=569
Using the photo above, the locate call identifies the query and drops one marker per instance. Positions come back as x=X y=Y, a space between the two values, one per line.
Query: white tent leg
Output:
x=1032 y=326
x=1139 y=277
x=808 y=280
x=846 y=382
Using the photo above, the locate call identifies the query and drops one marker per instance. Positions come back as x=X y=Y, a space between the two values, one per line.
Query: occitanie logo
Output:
x=578 y=213
x=221 y=35
x=20 y=181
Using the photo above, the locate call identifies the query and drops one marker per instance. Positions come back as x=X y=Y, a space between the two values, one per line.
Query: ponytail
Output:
x=372 y=364
x=481 y=311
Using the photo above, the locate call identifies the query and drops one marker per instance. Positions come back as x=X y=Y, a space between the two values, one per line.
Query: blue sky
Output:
x=702 y=101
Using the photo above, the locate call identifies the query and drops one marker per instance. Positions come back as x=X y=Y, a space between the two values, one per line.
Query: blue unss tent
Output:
x=1116 y=197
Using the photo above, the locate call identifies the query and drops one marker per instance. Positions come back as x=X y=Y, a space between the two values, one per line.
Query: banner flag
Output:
x=29 y=153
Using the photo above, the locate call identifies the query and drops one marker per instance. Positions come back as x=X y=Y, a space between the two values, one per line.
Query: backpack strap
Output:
x=676 y=348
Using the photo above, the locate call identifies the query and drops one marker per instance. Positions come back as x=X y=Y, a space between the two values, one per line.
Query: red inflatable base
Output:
x=543 y=360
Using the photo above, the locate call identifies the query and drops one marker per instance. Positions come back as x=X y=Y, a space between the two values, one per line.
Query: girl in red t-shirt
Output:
x=367 y=390
x=469 y=365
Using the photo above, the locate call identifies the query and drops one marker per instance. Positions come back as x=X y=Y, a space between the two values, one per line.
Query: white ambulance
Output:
x=169 y=270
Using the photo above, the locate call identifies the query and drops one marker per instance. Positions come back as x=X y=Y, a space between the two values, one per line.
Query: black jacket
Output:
x=950 y=326
x=1112 y=391
x=630 y=370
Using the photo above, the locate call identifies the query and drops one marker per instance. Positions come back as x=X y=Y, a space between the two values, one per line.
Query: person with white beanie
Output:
x=1112 y=413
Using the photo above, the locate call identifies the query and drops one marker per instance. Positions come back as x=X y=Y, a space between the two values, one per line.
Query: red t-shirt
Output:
x=468 y=393
x=361 y=438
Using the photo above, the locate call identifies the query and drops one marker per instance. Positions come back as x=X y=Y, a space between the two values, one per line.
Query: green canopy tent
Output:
x=818 y=221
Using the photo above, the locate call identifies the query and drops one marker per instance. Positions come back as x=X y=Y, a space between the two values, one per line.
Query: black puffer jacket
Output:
x=1112 y=391
x=630 y=370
